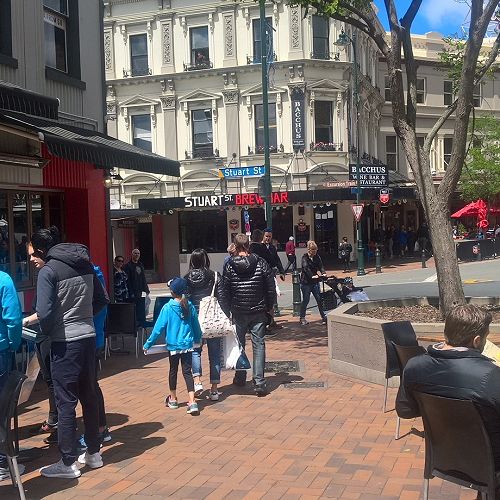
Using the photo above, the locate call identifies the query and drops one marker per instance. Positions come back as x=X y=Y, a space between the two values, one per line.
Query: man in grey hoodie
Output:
x=69 y=295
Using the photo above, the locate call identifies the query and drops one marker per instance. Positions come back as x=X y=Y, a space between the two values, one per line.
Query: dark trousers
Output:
x=307 y=289
x=346 y=260
x=6 y=364
x=73 y=374
x=292 y=261
x=186 y=359
x=43 y=355
x=100 y=397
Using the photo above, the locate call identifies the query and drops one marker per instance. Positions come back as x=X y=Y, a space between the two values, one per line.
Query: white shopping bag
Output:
x=147 y=303
x=156 y=349
x=278 y=291
x=232 y=351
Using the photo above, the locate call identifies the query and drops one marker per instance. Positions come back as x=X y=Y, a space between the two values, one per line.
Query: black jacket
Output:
x=247 y=286
x=268 y=253
x=456 y=374
x=200 y=283
x=136 y=279
x=310 y=267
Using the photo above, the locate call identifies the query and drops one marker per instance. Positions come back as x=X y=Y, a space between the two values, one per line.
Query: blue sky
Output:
x=445 y=16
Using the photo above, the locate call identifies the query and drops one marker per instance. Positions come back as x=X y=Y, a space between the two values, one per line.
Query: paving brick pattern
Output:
x=331 y=442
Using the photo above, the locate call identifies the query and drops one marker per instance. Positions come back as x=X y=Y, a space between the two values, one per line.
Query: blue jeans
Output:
x=256 y=323
x=306 y=295
x=214 y=355
x=6 y=364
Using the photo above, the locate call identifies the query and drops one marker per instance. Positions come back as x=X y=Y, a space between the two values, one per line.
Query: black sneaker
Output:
x=239 y=382
x=261 y=390
x=51 y=438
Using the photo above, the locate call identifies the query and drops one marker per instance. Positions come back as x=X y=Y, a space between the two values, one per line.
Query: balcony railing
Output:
x=259 y=150
x=202 y=153
x=326 y=146
x=258 y=59
x=326 y=56
x=137 y=72
x=194 y=66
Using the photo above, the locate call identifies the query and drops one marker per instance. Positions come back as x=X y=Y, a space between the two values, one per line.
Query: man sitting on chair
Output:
x=456 y=369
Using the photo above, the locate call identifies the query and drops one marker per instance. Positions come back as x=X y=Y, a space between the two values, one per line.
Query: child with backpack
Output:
x=178 y=318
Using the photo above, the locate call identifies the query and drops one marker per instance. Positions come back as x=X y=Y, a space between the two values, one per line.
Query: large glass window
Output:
x=387 y=89
x=259 y=128
x=60 y=6
x=55 y=22
x=200 y=52
x=139 y=55
x=207 y=230
x=321 y=37
x=20 y=219
x=203 y=141
x=38 y=212
x=447 y=147
x=420 y=90
x=391 y=152
x=323 y=125
x=141 y=132
x=447 y=92
x=257 y=41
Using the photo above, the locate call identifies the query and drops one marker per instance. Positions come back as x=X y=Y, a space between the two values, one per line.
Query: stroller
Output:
x=344 y=289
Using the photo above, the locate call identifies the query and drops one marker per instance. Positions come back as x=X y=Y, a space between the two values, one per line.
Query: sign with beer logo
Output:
x=370 y=176
x=298 y=119
x=384 y=196
x=234 y=224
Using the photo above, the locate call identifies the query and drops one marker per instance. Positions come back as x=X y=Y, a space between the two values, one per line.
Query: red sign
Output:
x=357 y=211
x=384 y=196
x=255 y=199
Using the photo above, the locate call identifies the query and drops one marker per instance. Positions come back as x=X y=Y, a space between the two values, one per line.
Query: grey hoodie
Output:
x=69 y=294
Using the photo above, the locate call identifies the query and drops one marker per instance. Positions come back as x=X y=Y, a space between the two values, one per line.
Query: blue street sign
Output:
x=232 y=173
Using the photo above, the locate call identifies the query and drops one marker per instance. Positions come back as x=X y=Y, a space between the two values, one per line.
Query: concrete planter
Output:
x=356 y=345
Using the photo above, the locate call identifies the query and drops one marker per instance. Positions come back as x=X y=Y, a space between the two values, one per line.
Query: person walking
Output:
x=200 y=283
x=10 y=340
x=120 y=280
x=290 y=254
x=423 y=237
x=403 y=241
x=345 y=249
x=69 y=295
x=136 y=281
x=312 y=269
x=179 y=320
x=247 y=291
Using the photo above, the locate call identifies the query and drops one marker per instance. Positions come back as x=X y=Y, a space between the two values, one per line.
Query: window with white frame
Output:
x=323 y=125
x=447 y=92
x=476 y=96
x=139 y=65
x=259 y=128
x=203 y=139
x=257 y=40
x=447 y=147
x=55 y=19
x=391 y=152
x=141 y=132
x=421 y=90
x=387 y=89
x=321 y=37
x=200 y=51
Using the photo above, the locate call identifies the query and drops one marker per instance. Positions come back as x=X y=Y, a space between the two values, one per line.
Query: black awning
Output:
x=78 y=144
x=16 y=98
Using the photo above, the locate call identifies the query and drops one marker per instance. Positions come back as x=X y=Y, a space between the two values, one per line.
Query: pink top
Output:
x=290 y=248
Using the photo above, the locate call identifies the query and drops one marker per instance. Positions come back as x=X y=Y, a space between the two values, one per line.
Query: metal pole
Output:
x=361 y=257
x=265 y=111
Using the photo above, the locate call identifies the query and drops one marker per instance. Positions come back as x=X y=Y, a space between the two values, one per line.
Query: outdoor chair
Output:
x=121 y=320
x=401 y=333
x=404 y=354
x=457 y=446
x=159 y=303
x=8 y=407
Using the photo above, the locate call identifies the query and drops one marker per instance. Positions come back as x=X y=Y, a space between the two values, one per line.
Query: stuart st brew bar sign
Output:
x=298 y=121
x=371 y=176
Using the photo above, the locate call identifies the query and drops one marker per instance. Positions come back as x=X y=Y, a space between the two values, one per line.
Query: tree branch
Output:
x=491 y=59
x=437 y=126
x=392 y=15
x=409 y=17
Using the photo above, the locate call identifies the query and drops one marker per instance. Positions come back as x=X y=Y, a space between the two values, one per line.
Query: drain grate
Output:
x=282 y=366
x=304 y=385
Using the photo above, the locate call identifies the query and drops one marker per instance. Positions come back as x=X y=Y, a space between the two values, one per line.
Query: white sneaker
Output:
x=214 y=395
x=5 y=473
x=60 y=470
x=198 y=389
x=94 y=460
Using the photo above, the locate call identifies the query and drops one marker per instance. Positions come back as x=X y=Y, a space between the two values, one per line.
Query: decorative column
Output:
x=296 y=48
x=109 y=59
x=111 y=112
x=231 y=100
x=168 y=105
x=228 y=22
x=167 y=43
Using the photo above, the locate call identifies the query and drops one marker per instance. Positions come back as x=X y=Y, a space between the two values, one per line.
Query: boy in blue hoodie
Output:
x=179 y=319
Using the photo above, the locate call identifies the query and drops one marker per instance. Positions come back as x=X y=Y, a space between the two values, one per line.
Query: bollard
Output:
x=297 y=301
x=378 y=265
x=478 y=255
x=424 y=263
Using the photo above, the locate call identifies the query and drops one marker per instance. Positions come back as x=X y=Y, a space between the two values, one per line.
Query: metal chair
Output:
x=8 y=406
x=401 y=333
x=457 y=446
x=404 y=354
x=121 y=320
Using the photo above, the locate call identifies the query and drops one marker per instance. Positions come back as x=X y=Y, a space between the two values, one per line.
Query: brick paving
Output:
x=331 y=442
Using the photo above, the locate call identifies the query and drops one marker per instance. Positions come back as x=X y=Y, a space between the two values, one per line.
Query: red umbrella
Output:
x=476 y=209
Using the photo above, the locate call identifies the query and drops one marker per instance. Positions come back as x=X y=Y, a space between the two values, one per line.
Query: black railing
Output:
x=258 y=59
x=137 y=72
x=201 y=153
x=326 y=146
x=194 y=66
x=326 y=56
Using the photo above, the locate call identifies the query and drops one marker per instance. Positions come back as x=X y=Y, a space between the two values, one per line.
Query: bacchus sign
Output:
x=298 y=119
x=370 y=176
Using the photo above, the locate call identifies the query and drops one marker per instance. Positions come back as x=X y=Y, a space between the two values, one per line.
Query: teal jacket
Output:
x=11 y=321
x=181 y=334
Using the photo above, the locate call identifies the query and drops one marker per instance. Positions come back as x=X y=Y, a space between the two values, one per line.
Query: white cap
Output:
x=291 y=238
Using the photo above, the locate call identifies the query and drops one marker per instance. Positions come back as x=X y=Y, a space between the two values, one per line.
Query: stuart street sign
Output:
x=233 y=173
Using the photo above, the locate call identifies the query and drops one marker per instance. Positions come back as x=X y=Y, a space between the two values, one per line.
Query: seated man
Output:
x=456 y=368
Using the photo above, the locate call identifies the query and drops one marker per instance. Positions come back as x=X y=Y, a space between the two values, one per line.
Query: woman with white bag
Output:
x=201 y=281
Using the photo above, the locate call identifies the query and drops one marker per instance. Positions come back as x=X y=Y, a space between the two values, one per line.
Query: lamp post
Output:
x=265 y=113
x=343 y=40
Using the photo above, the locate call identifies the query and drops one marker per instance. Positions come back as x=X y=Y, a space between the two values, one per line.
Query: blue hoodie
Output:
x=11 y=321
x=181 y=334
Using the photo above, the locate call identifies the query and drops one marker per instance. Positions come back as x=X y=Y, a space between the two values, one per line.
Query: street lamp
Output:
x=343 y=40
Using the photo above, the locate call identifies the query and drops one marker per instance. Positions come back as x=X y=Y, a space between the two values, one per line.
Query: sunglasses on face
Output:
x=119 y=260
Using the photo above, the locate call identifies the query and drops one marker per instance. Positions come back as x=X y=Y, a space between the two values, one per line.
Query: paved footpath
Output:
x=320 y=442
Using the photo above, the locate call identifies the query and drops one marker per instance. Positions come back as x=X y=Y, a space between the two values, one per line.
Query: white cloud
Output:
x=448 y=14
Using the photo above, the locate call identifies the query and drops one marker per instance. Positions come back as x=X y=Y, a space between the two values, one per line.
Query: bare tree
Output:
x=399 y=55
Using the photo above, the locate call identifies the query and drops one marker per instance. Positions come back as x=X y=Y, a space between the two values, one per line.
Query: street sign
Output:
x=384 y=196
x=298 y=119
x=233 y=173
x=371 y=176
x=357 y=211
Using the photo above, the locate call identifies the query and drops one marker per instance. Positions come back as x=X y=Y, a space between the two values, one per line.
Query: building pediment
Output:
x=326 y=85
x=138 y=101
x=199 y=95
x=256 y=90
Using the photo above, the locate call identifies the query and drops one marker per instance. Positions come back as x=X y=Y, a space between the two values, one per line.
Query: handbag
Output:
x=213 y=321
x=235 y=357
